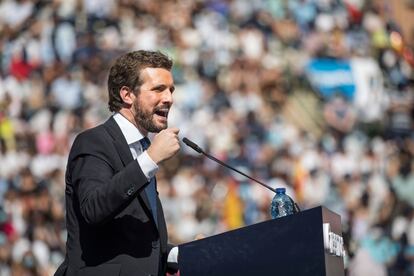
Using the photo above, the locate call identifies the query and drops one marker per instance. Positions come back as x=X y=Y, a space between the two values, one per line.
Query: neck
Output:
x=128 y=114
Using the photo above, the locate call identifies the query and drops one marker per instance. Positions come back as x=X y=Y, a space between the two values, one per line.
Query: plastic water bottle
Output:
x=282 y=205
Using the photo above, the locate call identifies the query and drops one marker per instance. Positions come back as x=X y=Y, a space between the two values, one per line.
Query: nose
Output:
x=167 y=97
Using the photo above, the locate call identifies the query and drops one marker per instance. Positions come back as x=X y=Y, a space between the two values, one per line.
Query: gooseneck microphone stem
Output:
x=195 y=147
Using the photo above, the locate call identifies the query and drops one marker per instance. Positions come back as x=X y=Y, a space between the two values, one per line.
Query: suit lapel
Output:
x=124 y=152
x=119 y=141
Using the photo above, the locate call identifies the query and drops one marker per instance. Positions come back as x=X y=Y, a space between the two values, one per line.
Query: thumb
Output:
x=175 y=130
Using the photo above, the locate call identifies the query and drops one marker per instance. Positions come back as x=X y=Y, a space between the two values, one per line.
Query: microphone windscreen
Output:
x=192 y=145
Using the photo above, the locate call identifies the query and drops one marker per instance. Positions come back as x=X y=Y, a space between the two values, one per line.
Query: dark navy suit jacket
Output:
x=111 y=230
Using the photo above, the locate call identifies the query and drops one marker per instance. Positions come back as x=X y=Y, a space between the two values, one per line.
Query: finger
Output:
x=174 y=130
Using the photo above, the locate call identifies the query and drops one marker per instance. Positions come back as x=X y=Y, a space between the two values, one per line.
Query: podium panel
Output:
x=292 y=245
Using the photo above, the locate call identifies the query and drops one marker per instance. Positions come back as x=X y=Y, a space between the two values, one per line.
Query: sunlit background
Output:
x=312 y=95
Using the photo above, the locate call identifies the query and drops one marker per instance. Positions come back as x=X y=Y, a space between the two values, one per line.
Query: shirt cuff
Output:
x=147 y=165
x=173 y=255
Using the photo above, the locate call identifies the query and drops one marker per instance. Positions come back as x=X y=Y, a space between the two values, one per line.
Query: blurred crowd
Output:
x=242 y=94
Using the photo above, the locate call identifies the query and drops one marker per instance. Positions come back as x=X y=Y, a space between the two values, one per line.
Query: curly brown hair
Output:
x=126 y=72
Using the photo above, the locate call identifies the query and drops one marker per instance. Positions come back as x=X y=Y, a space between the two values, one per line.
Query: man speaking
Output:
x=114 y=217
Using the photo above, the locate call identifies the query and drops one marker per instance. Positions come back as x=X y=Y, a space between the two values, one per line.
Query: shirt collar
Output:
x=129 y=130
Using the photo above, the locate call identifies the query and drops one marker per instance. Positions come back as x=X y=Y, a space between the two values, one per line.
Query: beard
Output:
x=145 y=119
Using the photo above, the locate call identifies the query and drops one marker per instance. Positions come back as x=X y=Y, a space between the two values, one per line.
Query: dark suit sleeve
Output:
x=101 y=192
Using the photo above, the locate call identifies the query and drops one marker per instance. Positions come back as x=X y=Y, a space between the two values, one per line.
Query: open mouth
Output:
x=162 y=113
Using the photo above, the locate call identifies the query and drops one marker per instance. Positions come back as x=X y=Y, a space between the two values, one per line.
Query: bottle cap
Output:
x=280 y=190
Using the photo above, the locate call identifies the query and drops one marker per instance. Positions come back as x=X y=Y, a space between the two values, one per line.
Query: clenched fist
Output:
x=164 y=145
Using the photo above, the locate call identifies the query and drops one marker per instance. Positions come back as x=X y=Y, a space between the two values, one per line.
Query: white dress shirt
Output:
x=133 y=137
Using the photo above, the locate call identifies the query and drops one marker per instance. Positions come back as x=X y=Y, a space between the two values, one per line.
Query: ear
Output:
x=126 y=95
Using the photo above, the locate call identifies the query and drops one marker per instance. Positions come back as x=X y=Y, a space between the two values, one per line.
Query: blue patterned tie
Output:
x=151 y=189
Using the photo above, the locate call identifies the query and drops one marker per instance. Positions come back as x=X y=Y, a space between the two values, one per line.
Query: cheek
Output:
x=145 y=106
x=148 y=101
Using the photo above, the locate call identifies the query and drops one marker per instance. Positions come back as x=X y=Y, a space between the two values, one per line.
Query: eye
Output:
x=159 y=88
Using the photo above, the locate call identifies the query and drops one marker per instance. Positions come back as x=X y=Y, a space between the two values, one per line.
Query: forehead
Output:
x=156 y=76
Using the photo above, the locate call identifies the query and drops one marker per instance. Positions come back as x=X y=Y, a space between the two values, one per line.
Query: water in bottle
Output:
x=282 y=205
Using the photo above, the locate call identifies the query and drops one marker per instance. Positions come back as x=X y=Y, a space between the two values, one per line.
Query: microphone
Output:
x=195 y=147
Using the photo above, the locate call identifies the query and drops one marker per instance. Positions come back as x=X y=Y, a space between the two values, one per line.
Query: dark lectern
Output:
x=292 y=245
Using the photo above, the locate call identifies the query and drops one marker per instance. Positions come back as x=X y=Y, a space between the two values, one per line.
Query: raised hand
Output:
x=164 y=145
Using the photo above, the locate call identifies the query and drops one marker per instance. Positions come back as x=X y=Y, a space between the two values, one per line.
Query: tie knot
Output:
x=145 y=142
